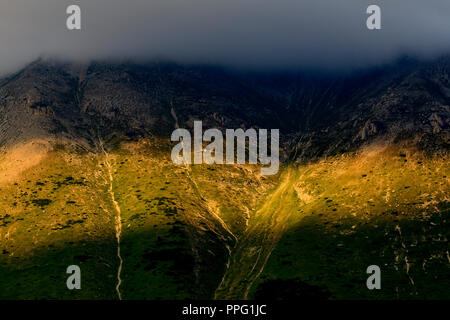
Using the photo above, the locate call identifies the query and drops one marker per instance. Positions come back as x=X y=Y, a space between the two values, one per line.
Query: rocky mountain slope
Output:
x=86 y=178
x=317 y=116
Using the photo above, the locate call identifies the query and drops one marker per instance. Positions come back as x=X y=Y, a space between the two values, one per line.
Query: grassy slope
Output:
x=54 y=215
x=311 y=234
x=178 y=224
x=178 y=221
x=384 y=207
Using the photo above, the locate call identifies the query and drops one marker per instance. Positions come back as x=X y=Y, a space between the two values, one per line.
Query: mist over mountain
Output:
x=323 y=34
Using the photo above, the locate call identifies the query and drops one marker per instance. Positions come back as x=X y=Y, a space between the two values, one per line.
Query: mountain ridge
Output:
x=315 y=117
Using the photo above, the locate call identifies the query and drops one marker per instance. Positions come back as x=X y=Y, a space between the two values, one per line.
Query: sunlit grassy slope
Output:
x=224 y=231
x=179 y=223
x=385 y=207
x=53 y=215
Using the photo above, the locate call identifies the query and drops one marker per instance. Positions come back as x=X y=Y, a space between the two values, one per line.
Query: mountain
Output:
x=86 y=178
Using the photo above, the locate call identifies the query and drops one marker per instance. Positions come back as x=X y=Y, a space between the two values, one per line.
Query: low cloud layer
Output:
x=325 y=34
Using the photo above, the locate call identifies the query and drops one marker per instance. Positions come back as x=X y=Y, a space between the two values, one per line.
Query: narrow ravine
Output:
x=118 y=219
x=196 y=188
x=211 y=211
x=251 y=254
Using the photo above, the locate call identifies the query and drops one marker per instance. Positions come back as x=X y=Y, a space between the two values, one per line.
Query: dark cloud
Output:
x=253 y=33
